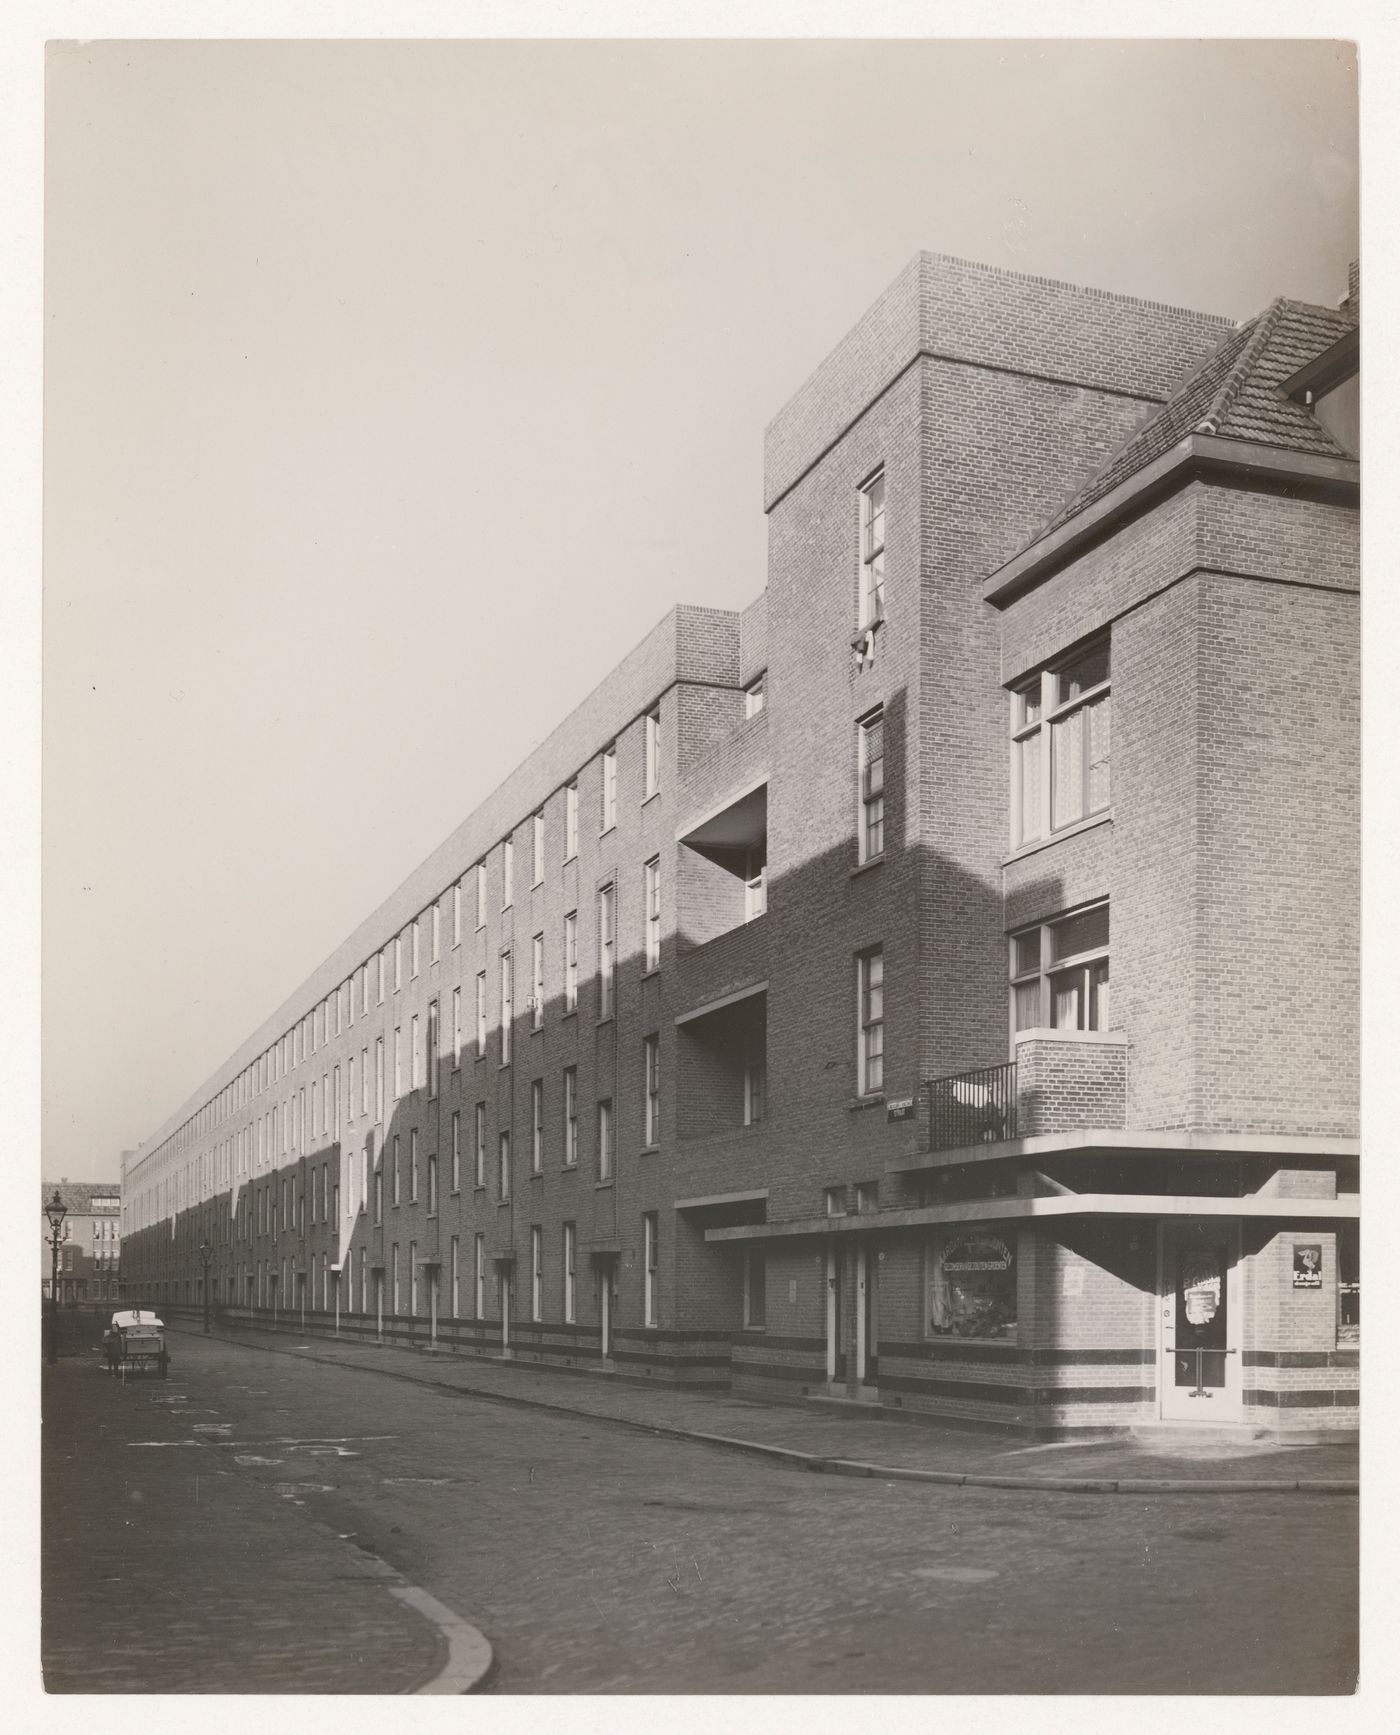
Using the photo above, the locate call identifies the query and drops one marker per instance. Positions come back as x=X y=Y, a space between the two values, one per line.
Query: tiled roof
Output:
x=1236 y=394
x=78 y=1195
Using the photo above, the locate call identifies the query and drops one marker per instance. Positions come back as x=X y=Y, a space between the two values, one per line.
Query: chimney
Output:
x=1350 y=304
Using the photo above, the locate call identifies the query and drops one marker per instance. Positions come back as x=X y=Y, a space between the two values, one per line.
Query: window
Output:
x=479 y=1278
x=379 y=978
x=456 y=1293
x=835 y=1201
x=653 y=754
x=651 y=1257
x=456 y=932
x=606 y=948
x=398 y=962
x=867 y=1197
x=507 y=1007
x=1059 y=973
x=871 y=743
x=651 y=905
x=755 y=1082
x=432 y=1187
x=398 y=1069
x=605 y=1139
x=413 y=1166
x=536 y=1272
x=394 y=1268
x=872 y=551
x=437 y=932
x=871 y=1051
x=570 y=1273
x=651 y=1074
x=415 y=1051
x=481 y=1015
x=537 y=849
x=755 y=881
x=434 y=1044
x=507 y=872
x=456 y=1153
x=537 y=1126
x=1349 y=1283
x=570 y=1116
x=571 y=822
x=1068 y=781
x=481 y=894
x=379 y=1078
x=394 y=1174
x=479 y=1174
x=755 y=696
x=537 y=982
x=571 y=961
x=350 y=1099
x=503 y=1167
x=755 y=1290
x=413 y=946
x=970 y=1287
x=456 y=1028
x=608 y=816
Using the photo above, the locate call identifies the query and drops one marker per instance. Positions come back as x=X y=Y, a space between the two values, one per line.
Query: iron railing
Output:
x=972 y=1108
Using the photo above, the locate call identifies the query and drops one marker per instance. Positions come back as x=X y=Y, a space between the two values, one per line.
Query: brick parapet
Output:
x=1063 y=1085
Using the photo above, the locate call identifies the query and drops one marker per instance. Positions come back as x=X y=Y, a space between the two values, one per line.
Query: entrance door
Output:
x=835 y=1349
x=606 y=1268
x=1200 y=1359
x=868 y=1325
x=503 y=1273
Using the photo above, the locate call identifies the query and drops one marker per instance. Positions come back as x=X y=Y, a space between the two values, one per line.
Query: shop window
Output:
x=1349 y=1283
x=971 y=1285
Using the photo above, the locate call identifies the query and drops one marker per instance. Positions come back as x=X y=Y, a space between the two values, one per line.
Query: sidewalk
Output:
x=166 y=1573
x=843 y=1445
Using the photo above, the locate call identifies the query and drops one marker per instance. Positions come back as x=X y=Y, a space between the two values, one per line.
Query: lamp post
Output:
x=206 y=1253
x=55 y=1211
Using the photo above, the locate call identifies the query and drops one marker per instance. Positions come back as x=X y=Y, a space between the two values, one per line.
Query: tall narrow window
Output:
x=651 y=1259
x=507 y=1006
x=651 y=1081
x=605 y=1139
x=457 y=924
x=456 y=1151
x=755 y=1081
x=398 y=962
x=434 y=1044
x=570 y=1273
x=651 y=906
x=571 y=822
x=536 y=1272
x=503 y=1167
x=379 y=1078
x=871 y=1052
x=609 y=812
x=1068 y=781
x=479 y=1147
x=653 y=753
x=350 y=1098
x=437 y=932
x=571 y=961
x=756 y=881
x=379 y=978
x=456 y=1294
x=456 y=1028
x=335 y=1109
x=394 y=1172
x=507 y=873
x=398 y=1065
x=481 y=1015
x=536 y=1126
x=432 y=1186
x=872 y=550
x=415 y=1049
x=394 y=1274
x=414 y=953
x=481 y=894
x=607 y=945
x=570 y=1116
x=537 y=848
x=479 y=1278
x=413 y=1166
x=537 y=982
x=872 y=786
x=364 y=1081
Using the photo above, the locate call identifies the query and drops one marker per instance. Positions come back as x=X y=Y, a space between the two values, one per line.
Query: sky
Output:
x=393 y=391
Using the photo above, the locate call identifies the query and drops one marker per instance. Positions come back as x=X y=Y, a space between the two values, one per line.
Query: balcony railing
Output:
x=972 y=1108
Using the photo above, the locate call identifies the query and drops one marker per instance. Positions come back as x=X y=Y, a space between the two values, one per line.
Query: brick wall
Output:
x=1064 y=1085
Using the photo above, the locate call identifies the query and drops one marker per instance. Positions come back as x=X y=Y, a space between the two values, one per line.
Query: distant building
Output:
x=89 y=1258
x=757 y=1031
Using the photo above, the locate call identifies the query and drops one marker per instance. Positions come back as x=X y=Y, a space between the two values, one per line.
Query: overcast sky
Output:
x=394 y=392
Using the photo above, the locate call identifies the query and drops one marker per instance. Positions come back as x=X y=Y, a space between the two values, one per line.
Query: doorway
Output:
x=1199 y=1375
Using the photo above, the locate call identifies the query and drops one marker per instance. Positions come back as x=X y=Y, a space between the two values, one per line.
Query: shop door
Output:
x=1200 y=1322
x=868 y=1322
x=835 y=1347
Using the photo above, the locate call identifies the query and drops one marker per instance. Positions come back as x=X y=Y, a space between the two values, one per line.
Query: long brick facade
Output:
x=816 y=1083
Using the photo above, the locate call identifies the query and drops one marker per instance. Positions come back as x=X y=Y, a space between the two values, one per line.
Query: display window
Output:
x=970 y=1287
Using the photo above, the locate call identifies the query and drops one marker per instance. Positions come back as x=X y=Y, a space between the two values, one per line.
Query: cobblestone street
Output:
x=260 y=1495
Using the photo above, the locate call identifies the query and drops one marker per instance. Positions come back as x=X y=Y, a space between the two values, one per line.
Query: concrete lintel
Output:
x=1095 y=1139
x=755 y=1195
x=1020 y=1209
x=722 y=1001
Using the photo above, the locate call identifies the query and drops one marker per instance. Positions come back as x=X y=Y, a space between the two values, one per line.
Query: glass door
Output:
x=1200 y=1357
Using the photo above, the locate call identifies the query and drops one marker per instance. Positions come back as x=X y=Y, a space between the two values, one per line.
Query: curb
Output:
x=822 y=1465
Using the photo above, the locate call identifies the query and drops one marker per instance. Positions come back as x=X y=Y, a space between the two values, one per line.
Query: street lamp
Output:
x=206 y=1253
x=55 y=1211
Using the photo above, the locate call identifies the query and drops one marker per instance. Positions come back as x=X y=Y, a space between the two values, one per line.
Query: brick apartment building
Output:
x=757 y=1031
x=90 y=1255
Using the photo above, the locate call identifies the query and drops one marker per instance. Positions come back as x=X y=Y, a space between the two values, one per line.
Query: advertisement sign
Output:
x=1307 y=1265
